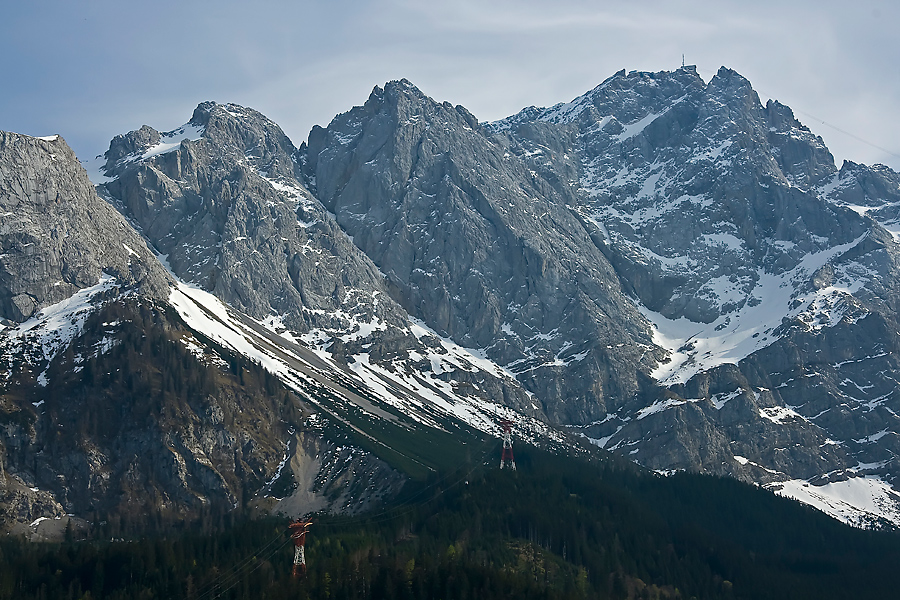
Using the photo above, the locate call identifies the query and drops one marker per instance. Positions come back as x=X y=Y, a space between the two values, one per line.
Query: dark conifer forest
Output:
x=555 y=528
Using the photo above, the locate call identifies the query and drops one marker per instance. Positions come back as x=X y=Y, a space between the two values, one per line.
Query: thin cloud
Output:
x=93 y=69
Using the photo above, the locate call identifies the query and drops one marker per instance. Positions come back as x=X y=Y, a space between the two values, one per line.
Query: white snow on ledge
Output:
x=661 y=405
x=209 y=315
x=53 y=328
x=421 y=396
x=697 y=347
x=168 y=142
x=858 y=501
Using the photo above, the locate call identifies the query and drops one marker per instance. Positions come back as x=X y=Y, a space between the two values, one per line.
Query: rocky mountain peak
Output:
x=258 y=239
x=662 y=265
x=729 y=79
x=802 y=156
x=227 y=209
x=627 y=98
x=57 y=236
x=254 y=136
x=399 y=89
x=130 y=144
x=719 y=216
x=475 y=245
x=735 y=91
x=870 y=191
x=200 y=116
x=781 y=117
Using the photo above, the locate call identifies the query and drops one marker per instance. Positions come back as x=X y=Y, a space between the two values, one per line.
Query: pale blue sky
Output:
x=91 y=69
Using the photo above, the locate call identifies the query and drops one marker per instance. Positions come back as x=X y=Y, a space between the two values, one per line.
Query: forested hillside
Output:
x=555 y=528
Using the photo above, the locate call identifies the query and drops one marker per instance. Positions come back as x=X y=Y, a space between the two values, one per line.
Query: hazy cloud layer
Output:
x=95 y=68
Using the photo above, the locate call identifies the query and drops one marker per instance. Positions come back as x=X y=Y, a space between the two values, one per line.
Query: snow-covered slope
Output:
x=664 y=266
x=37 y=341
x=758 y=268
x=865 y=502
x=399 y=392
x=697 y=347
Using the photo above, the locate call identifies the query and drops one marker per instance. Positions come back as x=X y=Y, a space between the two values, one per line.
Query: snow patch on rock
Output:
x=858 y=501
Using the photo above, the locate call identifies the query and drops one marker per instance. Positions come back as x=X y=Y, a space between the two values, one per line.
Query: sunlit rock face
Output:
x=663 y=265
x=56 y=235
x=483 y=249
x=755 y=261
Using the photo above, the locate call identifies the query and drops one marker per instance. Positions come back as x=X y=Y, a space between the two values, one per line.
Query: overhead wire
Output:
x=227 y=581
x=410 y=503
x=822 y=121
x=854 y=136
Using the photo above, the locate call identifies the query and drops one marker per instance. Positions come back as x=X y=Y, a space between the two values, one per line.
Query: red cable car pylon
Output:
x=506 y=458
x=298 y=530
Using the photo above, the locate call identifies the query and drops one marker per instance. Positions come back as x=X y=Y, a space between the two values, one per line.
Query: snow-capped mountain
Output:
x=233 y=216
x=474 y=244
x=663 y=266
x=288 y=284
x=731 y=228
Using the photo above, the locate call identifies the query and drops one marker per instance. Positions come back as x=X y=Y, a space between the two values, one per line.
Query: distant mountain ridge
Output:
x=663 y=265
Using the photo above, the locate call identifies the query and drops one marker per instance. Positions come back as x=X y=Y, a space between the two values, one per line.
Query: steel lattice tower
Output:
x=506 y=458
x=298 y=530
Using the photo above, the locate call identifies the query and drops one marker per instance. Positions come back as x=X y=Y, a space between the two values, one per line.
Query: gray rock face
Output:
x=327 y=475
x=674 y=171
x=871 y=191
x=131 y=144
x=229 y=213
x=139 y=418
x=480 y=248
x=663 y=265
x=74 y=437
x=728 y=222
x=222 y=197
x=56 y=235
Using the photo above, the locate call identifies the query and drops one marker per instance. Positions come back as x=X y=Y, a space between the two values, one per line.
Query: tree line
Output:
x=558 y=528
